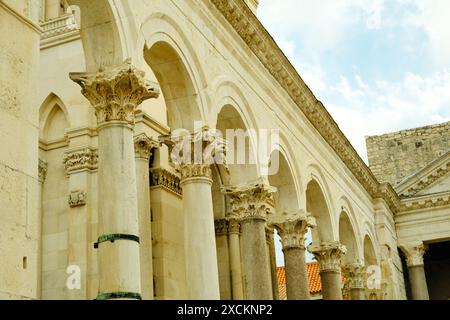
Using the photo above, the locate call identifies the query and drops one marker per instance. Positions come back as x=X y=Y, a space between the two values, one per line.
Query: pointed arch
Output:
x=53 y=118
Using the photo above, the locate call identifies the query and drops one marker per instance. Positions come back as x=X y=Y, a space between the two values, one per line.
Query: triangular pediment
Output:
x=433 y=178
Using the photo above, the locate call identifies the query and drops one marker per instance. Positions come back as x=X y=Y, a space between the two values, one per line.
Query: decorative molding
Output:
x=292 y=228
x=425 y=202
x=253 y=33
x=59 y=30
x=249 y=202
x=160 y=177
x=414 y=253
x=328 y=255
x=143 y=146
x=355 y=273
x=425 y=177
x=80 y=160
x=221 y=227
x=116 y=93
x=42 y=170
x=77 y=199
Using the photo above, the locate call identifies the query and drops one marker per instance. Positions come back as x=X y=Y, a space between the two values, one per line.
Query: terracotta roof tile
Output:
x=315 y=285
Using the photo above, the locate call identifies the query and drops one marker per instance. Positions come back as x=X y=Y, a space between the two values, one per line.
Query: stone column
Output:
x=273 y=262
x=143 y=146
x=355 y=275
x=414 y=258
x=235 y=259
x=329 y=254
x=292 y=229
x=42 y=175
x=115 y=95
x=193 y=154
x=250 y=203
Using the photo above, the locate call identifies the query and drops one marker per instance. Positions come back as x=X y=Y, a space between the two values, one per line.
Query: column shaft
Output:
x=418 y=281
x=296 y=274
x=119 y=263
x=235 y=261
x=331 y=285
x=256 y=268
x=200 y=243
x=145 y=227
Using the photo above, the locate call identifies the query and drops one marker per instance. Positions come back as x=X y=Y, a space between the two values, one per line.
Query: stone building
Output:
x=93 y=205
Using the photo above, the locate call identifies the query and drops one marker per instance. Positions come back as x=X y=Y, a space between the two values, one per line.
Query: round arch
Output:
x=318 y=204
x=103 y=25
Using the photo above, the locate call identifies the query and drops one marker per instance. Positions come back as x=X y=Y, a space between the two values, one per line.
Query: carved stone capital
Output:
x=85 y=159
x=414 y=253
x=43 y=166
x=355 y=274
x=195 y=171
x=234 y=227
x=116 y=93
x=143 y=146
x=77 y=198
x=221 y=227
x=194 y=153
x=250 y=201
x=292 y=228
x=328 y=254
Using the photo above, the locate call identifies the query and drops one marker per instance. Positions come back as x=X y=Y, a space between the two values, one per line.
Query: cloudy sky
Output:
x=378 y=66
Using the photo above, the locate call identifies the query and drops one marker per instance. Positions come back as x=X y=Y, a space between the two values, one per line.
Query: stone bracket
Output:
x=116 y=236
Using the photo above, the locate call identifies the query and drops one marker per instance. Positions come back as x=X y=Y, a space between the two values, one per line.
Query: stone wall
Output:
x=395 y=156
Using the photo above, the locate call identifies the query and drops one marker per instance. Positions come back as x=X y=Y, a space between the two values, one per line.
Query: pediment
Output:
x=433 y=178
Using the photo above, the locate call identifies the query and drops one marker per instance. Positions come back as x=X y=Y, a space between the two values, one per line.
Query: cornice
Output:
x=425 y=177
x=253 y=33
x=425 y=202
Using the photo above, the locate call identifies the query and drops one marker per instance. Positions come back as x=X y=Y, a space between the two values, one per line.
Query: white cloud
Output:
x=433 y=17
x=386 y=106
x=321 y=25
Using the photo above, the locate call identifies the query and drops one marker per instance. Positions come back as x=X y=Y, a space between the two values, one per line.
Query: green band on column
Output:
x=116 y=236
x=119 y=295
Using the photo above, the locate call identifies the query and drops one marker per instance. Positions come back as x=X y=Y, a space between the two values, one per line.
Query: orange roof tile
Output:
x=315 y=285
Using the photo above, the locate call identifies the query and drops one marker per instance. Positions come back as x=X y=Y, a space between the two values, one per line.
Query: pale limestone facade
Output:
x=86 y=180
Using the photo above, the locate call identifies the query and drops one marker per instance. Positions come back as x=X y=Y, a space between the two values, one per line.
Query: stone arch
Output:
x=179 y=91
x=103 y=26
x=318 y=204
x=168 y=50
x=349 y=230
x=53 y=118
x=370 y=254
x=348 y=237
x=287 y=197
x=230 y=120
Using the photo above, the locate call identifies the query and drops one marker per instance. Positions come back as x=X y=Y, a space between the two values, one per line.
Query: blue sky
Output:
x=378 y=66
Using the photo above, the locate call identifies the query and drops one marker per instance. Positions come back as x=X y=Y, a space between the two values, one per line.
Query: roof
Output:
x=314 y=282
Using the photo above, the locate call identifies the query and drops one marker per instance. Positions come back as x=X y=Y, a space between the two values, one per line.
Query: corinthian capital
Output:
x=194 y=153
x=355 y=275
x=115 y=93
x=292 y=228
x=252 y=201
x=143 y=146
x=328 y=254
x=414 y=253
